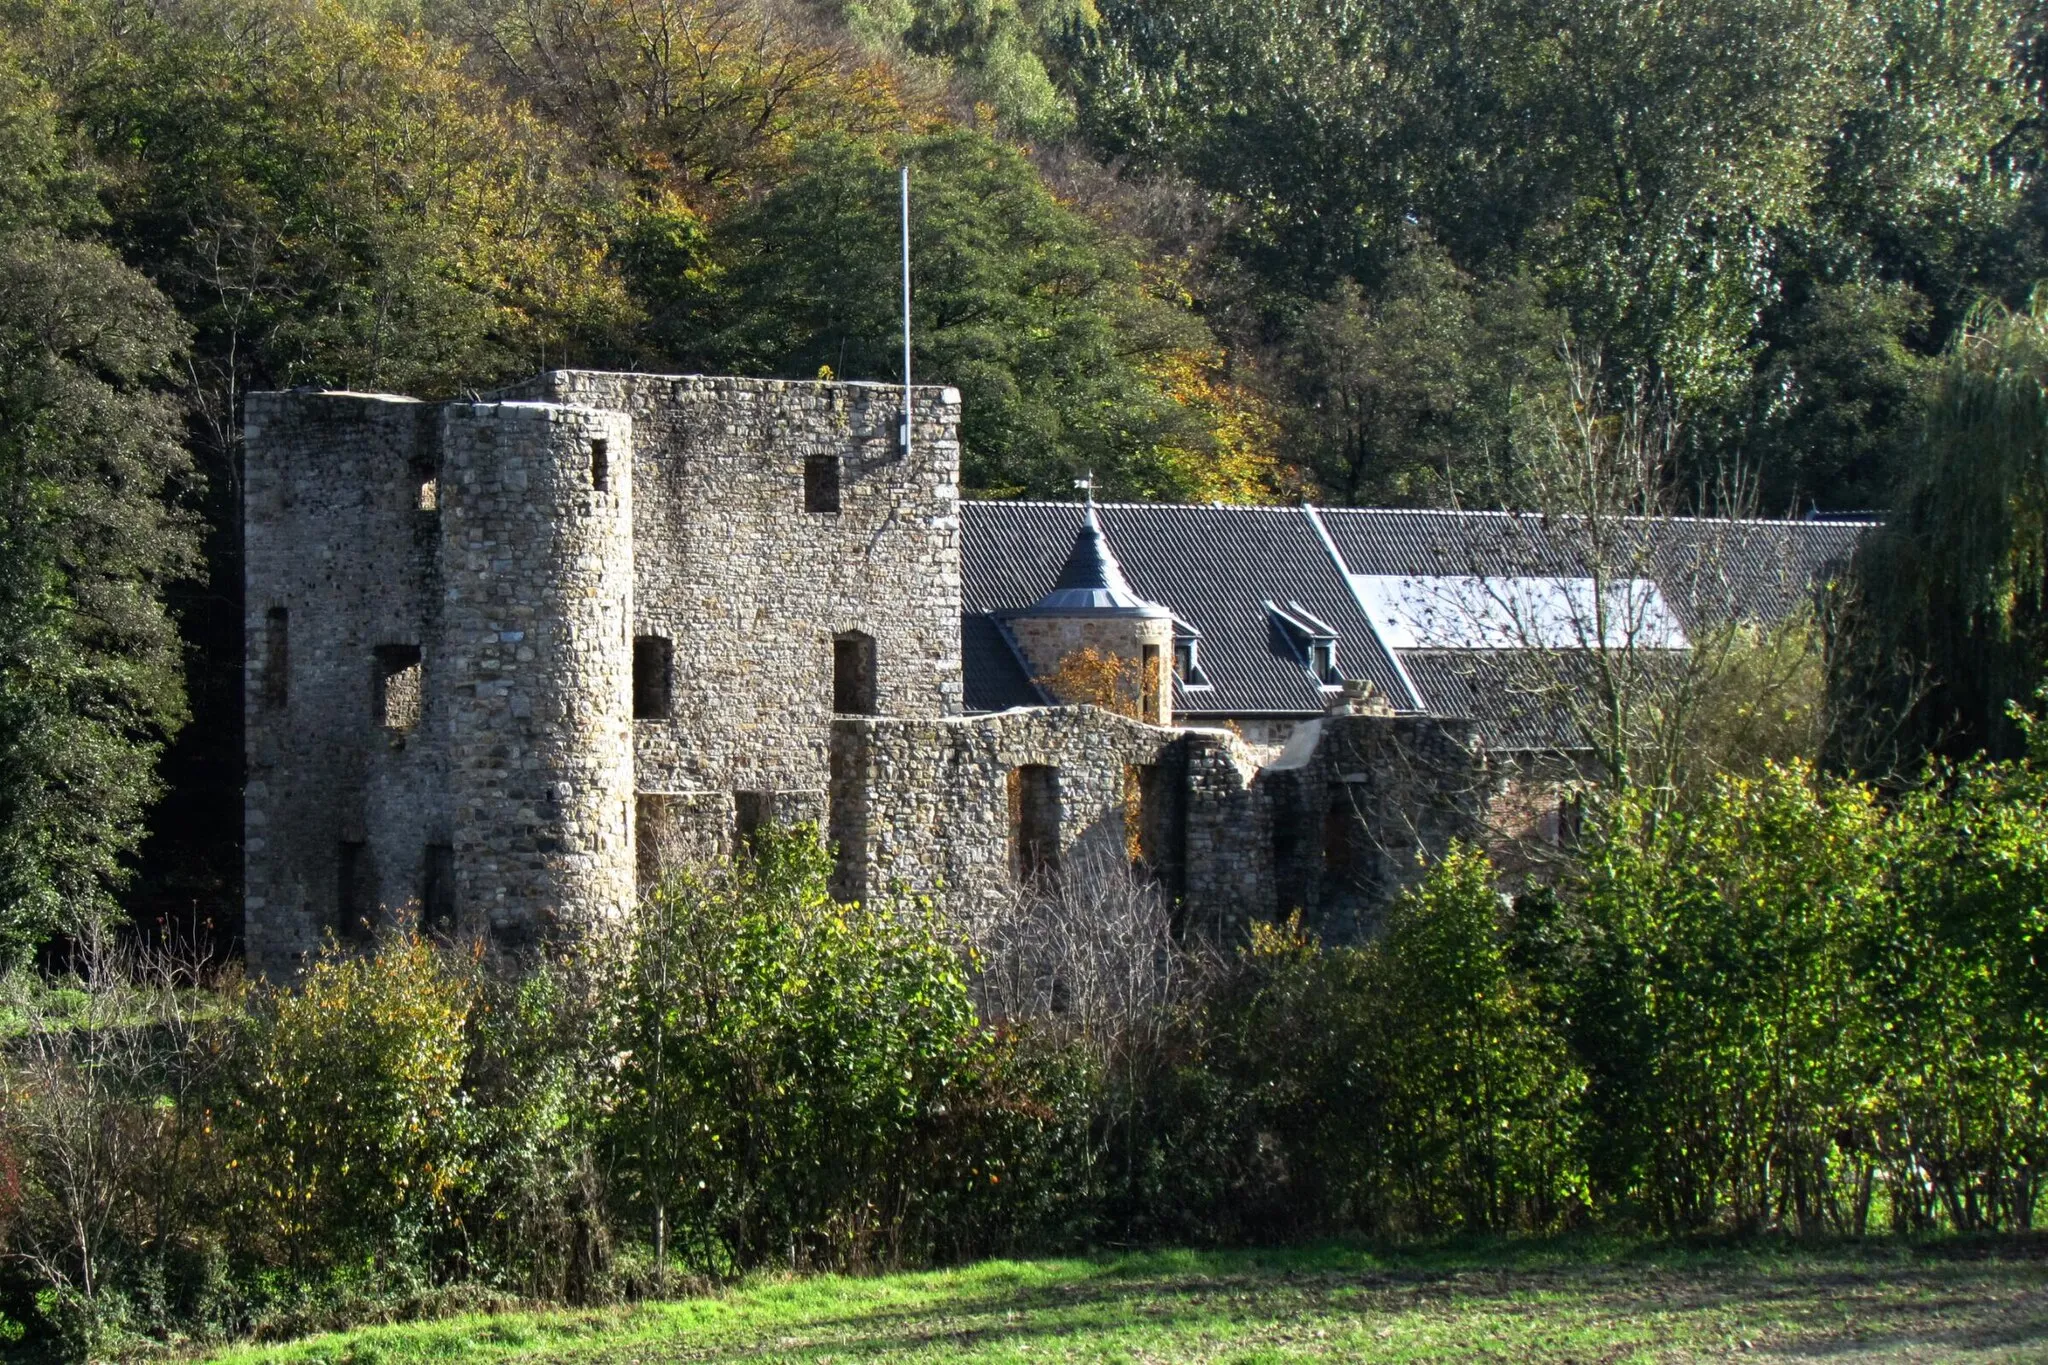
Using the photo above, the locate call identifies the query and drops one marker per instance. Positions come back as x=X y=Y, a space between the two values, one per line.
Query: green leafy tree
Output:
x=1718 y=1004
x=90 y=534
x=1427 y=389
x=1963 y=996
x=1947 y=628
x=1481 y=1124
x=1041 y=319
x=349 y=1122
x=1760 y=213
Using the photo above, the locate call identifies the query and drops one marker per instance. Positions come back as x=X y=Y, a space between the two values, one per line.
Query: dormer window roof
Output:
x=1313 y=640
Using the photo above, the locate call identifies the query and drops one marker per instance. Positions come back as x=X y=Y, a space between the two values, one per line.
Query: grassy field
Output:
x=1575 y=1300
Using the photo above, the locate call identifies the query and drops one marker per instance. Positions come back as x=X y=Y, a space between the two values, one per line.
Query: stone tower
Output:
x=1091 y=606
x=537 y=643
x=439 y=701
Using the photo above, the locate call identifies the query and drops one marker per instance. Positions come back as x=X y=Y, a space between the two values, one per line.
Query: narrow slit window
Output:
x=654 y=669
x=853 y=674
x=397 y=694
x=1148 y=683
x=601 y=465
x=821 y=483
x=277 y=656
x=1034 y=821
x=1340 y=830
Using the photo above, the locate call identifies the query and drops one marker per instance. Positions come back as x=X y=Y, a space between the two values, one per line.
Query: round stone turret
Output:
x=537 y=525
x=1093 y=639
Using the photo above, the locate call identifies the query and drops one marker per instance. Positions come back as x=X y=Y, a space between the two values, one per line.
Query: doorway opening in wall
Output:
x=437 y=891
x=654 y=673
x=352 y=894
x=751 y=812
x=853 y=674
x=396 y=694
x=1034 y=821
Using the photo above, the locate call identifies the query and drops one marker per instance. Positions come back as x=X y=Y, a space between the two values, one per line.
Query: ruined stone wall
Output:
x=338 y=561
x=1354 y=805
x=752 y=588
x=927 y=805
x=438 y=607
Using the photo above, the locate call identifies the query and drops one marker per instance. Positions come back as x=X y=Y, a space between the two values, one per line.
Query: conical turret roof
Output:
x=1091 y=583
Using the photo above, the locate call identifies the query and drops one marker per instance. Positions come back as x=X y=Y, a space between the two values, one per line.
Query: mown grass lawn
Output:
x=1574 y=1300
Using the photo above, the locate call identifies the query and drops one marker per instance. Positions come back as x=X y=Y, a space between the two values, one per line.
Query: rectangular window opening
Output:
x=397 y=695
x=1148 y=683
x=654 y=663
x=277 y=656
x=853 y=674
x=601 y=465
x=430 y=495
x=821 y=483
x=1034 y=790
x=1340 y=833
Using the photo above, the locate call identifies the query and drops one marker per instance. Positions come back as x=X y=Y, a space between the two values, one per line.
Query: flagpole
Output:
x=906 y=310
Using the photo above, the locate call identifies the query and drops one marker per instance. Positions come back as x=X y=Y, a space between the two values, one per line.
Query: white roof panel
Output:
x=1465 y=611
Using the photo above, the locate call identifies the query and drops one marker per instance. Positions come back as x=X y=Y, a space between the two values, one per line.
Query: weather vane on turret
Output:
x=1087 y=485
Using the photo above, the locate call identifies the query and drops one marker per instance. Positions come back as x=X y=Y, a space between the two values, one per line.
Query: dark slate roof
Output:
x=1373 y=541
x=996 y=677
x=1214 y=567
x=1217 y=568
x=1503 y=690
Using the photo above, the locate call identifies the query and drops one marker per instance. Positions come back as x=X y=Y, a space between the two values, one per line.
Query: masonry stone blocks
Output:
x=509 y=659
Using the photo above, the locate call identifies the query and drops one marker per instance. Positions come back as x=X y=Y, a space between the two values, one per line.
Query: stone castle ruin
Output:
x=509 y=659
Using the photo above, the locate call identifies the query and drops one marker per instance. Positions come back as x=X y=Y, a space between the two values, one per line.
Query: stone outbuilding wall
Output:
x=937 y=808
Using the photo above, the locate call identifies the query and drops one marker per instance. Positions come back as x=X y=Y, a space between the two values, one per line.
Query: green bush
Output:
x=349 y=1124
x=1715 y=997
x=804 y=1082
x=1407 y=1084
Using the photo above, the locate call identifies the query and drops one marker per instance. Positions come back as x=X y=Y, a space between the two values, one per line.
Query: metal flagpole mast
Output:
x=906 y=310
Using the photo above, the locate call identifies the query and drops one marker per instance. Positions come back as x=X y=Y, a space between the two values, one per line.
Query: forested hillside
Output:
x=1362 y=250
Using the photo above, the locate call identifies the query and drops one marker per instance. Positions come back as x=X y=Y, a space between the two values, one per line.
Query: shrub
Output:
x=350 y=1125
x=1407 y=1084
x=795 y=1074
